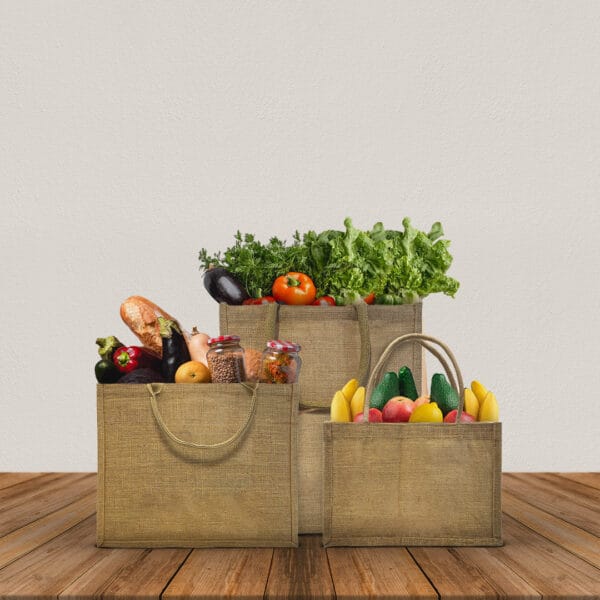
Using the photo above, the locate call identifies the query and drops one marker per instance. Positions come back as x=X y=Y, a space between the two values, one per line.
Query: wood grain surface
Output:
x=551 y=528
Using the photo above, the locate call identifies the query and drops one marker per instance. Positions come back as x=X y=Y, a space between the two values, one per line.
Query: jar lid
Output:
x=283 y=346
x=223 y=338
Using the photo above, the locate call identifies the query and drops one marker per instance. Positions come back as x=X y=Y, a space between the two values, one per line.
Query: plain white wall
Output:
x=134 y=133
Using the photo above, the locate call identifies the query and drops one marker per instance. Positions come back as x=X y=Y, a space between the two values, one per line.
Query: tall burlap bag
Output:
x=203 y=465
x=338 y=344
x=412 y=484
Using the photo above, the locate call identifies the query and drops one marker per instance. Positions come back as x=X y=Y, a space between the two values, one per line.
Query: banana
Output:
x=340 y=409
x=489 y=408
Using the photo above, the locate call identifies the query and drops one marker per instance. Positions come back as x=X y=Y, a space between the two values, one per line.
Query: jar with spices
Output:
x=225 y=358
x=280 y=362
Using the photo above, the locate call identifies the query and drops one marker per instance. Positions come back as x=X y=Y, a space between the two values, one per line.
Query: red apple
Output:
x=421 y=400
x=374 y=416
x=398 y=410
x=464 y=418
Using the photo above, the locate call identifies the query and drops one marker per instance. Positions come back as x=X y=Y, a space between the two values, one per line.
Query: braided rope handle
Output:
x=155 y=390
x=429 y=343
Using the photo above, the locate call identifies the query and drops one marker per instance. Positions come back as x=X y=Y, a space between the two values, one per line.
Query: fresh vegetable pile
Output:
x=396 y=400
x=333 y=267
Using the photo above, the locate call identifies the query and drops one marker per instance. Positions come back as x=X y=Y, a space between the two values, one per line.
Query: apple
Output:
x=374 y=416
x=421 y=400
x=398 y=410
x=464 y=418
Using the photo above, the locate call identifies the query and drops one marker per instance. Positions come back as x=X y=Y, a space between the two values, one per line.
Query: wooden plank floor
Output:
x=551 y=531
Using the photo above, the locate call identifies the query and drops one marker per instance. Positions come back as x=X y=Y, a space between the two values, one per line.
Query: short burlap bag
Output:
x=412 y=484
x=338 y=344
x=197 y=465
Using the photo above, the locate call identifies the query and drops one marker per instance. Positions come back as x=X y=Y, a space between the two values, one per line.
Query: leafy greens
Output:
x=399 y=267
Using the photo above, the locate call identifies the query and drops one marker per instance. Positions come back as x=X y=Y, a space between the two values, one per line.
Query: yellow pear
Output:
x=471 y=403
x=489 y=408
x=357 y=404
x=340 y=409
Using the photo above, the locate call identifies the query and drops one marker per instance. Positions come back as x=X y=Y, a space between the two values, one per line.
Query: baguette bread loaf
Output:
x=141 y=316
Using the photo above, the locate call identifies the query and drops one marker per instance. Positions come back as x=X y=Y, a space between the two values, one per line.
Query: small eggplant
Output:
x=224 y=287
x=174 y=348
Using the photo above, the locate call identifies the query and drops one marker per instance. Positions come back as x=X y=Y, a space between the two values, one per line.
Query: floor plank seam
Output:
x=48 y=540
x=555 y=517
x=439 y=595
x=556 y=544
x=269 y=574
x=7 y=487
x=568 y=567
x=330 y=573
x=175 y=574
x=52 y=512
x=567 y=478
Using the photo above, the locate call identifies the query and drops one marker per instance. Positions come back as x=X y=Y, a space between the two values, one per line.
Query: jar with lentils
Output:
x=280 y=362
x=225 y=358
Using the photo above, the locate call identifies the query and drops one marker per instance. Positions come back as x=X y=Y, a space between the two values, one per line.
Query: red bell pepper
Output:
x=130 y=358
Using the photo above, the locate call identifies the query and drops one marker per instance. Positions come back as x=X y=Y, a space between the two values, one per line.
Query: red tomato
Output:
x=294 y=288
x=370 y=299
x=324 y=301
x=262 y=300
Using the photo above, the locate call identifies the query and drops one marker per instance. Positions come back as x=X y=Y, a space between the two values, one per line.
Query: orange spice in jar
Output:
x=280 y=362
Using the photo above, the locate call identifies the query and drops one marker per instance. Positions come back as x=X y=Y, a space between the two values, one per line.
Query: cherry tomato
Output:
x=262 y=300
x=370 y=299
x=324 y=301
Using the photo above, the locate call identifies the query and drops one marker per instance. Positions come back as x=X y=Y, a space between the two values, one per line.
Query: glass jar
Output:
x=225 y=358
x=280 y=362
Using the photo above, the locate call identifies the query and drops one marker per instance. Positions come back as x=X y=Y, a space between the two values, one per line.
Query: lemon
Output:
x=479 y=390
x=426 y=413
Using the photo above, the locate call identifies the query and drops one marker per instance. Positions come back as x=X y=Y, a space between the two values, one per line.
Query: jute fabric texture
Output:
x=197 y=465
x=412 y=484
x=338 y=344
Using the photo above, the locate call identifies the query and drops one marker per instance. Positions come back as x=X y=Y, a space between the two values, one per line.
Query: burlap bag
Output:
x=412 y=484
x=203 y=465
x=338 y=344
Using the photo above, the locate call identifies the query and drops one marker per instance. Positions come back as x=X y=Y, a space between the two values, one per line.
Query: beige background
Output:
x=134 y=133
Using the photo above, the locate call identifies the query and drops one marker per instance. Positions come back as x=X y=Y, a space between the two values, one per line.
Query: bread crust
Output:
x=141 y=316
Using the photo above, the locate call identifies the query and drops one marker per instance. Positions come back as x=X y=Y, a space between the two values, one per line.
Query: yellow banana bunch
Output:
x=487 y=409
x=347 y=402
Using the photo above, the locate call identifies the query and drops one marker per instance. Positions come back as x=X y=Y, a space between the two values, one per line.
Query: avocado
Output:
x=443 y=393
x=388 y=388
x=408 y=389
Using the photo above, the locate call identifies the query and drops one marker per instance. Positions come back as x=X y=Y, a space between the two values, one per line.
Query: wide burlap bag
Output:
x=412 y=484
x=338 y=344
x=197 y=465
